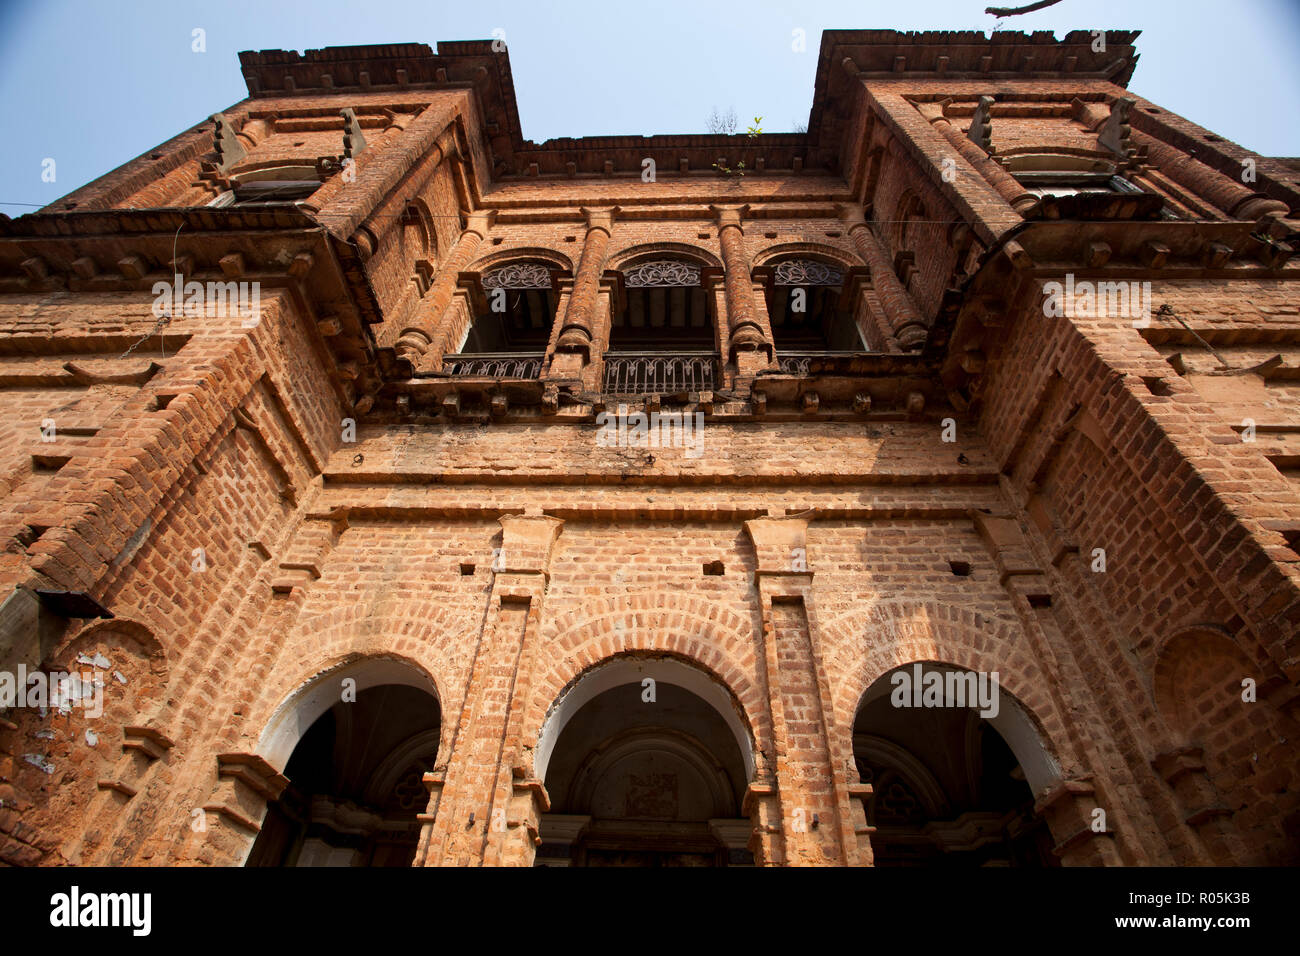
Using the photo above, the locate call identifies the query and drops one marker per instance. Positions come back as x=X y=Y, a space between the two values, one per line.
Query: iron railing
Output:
x=494 y=364
x=797 y=363
x=662 y=373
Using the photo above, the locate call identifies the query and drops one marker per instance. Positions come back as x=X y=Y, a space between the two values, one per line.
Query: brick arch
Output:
x=1188 y=658
x=137 y=631
x=821 y=252
x=857 y=657
x=312 y=698
x=419 y=215
x=691 y=629
x=669 y=668
x=631 y=255
x=503 y=257
x=144 y=661
x=420 y=635
x=1056 y=149
x=1198 y=694
x=911 y=207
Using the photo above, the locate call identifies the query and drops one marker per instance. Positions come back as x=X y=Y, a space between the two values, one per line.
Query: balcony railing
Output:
x=798 y=363
x=663 y=373
x=494 y=364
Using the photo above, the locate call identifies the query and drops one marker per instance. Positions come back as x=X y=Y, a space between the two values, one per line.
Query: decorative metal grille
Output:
x=807 y=272
x=494 y=364
x=798 y=363
x=648 y=374
x=794 y=364
x=662 y=273
x=519 y=275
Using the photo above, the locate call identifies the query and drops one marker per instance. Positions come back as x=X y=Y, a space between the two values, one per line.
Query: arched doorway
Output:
x=646 y=762
x=952 y=788
x=360 y=742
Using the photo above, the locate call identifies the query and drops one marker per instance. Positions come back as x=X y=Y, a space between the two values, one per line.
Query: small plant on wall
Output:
x=728 y=124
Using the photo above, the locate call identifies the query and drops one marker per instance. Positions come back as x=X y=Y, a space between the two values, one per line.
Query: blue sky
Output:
x=94 y=84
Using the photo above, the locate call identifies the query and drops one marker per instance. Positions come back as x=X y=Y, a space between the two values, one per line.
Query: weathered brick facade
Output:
x=379 y=596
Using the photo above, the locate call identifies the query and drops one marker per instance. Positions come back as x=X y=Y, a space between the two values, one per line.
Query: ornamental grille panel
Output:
x=662 y=273
x=493 y=364
x=519 y=275
x=521 y=306
x=807 y=272
x=798 y=363
x=664 y=307
x=649 y=374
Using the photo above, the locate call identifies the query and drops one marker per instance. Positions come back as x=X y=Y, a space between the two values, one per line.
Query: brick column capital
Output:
x=854 y=215
x=526 y=543
x=600 y=218
x=480 y=222
x=730 y=215
x=780 y=544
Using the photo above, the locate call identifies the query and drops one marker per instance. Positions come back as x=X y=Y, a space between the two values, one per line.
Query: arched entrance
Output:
x=646 y=761
x=953 y=788
x=355 y=746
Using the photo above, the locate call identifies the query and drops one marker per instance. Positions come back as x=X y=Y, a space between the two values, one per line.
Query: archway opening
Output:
x=643 y=769
x=664 y=307
x=952 y=788
x=662 y=338
x=355 y=783
x=808 y=310
x=509 y=325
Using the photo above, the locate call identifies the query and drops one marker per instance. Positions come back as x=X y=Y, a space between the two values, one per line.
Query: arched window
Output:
x=275 y=185
x=507 y=334
x=807 y=309
x=664 y=307
x=662 y=339
x=520 y=307
x=1066 y=174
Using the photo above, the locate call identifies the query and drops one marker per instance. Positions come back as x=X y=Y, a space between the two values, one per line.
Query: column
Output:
x=1006 y=185
x=578 y=330
x=1208 y=183
x=1223 y=191
x=900 y=310
x=747 y=344
x=428 y=332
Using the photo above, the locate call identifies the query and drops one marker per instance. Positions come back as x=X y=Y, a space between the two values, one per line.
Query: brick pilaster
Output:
x=820 y=823
x=486 y=808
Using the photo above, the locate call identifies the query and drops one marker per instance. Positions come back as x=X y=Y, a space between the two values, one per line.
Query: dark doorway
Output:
x=949 y=792
x=355 y=784
x=650 y=784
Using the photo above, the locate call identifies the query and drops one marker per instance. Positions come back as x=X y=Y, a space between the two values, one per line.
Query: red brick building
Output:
x=923 y=490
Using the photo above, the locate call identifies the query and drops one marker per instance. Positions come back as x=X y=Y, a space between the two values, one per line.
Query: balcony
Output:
x=660 y=373
x=493 y=364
